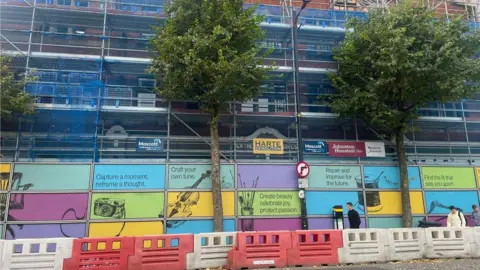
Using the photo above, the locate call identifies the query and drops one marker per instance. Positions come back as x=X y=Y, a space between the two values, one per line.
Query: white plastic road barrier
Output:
x=1 y=252
x=476 y=248
x=211 y=250
x=449 y=243
x=363 y=245
x=36 y=253
x=405 y=244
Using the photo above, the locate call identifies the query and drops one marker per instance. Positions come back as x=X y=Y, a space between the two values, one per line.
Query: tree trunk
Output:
x=216 y=184
x=404 y=187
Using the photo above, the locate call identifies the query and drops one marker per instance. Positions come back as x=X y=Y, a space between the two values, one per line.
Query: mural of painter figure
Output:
x=185 y=200
x=246 y=199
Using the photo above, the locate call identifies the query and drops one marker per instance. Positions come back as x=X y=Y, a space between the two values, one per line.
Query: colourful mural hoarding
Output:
x=128 y=177
x=438 y=202
x=335 y=177
x=45 y=177
x=268 y=203
x=269 y=224
x=197 y=204
x=443 y=220
x=266 y=176
x=127 y=205
x=130 y=228
x=322 y=202
x=197 y=226
x=47 y=207
x=390 y=222
x=4 y=176
x=3 y=206
x=389 y=177
x=29 y=231
x=390 y=203
x=327 y=223
x=448 y=177
x=190 y=176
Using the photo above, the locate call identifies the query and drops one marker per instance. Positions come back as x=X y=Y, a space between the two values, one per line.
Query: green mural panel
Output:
x=335 y=177
x=448 y=177
x=126 y=205
x=198 y=176
x=268 y=203
x=51 y=177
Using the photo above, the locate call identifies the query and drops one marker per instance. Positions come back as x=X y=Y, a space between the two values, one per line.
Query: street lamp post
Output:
x=298 y=117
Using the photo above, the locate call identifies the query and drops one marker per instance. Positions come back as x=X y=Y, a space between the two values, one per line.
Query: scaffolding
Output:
x=95 y=99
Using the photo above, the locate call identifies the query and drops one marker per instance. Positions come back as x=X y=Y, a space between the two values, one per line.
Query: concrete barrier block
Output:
x=363 y=245
x=406 y=244
x=211 y=250
x=449 y=243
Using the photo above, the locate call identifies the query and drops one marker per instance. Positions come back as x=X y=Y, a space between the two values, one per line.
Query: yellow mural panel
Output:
x=478 y=176
x=4 y=175
x=389 y=203
x=197 y=204
x=125 y=229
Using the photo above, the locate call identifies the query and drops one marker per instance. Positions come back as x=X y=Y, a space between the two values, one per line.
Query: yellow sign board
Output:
x=268 y=146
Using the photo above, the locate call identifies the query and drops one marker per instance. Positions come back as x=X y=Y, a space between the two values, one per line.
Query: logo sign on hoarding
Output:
x=149 y=144
x=346 y=149
x=375 y=149
x=303 y=169
x=315 y=147
x=268 y=146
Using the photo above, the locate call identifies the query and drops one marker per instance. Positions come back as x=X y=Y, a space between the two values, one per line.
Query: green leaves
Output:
x=400 y=60
x=208 y=53
x=12 y=98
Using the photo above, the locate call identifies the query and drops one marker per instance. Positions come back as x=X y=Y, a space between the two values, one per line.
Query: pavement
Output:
x=447 y=264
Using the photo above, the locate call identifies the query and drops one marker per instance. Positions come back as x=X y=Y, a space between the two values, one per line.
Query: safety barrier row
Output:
x=239 y=250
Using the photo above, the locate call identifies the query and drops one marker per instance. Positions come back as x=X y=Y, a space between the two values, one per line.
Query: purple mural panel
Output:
x=269 y=224
x=26 y=231
x=36 y=207
x=327 y=223
x=443 y=220
x=267 y=176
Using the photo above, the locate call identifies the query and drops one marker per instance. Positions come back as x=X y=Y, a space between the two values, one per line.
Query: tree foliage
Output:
x=397 y=61
x=12 y=98
x=207 y=53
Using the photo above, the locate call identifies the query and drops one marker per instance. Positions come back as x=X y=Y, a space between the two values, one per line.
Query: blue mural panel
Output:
x=322 y=202
x=197 y=226
x=438 y=202
x=389 y=177
x=128 y=177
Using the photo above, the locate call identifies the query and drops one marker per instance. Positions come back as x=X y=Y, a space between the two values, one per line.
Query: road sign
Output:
x=303 y=169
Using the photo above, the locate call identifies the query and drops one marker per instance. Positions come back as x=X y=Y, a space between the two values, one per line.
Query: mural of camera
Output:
x=108 y=207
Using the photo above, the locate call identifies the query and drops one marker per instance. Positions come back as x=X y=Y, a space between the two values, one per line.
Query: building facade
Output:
x=99 y=125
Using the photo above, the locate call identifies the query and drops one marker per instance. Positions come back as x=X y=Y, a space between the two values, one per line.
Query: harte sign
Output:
x=356 y=149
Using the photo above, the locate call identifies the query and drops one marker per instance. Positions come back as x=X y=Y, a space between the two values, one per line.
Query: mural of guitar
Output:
x=185 y=201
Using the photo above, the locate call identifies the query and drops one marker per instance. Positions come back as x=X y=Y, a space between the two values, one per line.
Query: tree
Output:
x=12 y=98
x=397 y=61
x=207 y=53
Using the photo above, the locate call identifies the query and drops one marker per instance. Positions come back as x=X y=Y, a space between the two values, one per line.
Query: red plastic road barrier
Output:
x=100 y=253
x=260 y=250
x=315 y=248
x=161 y=252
